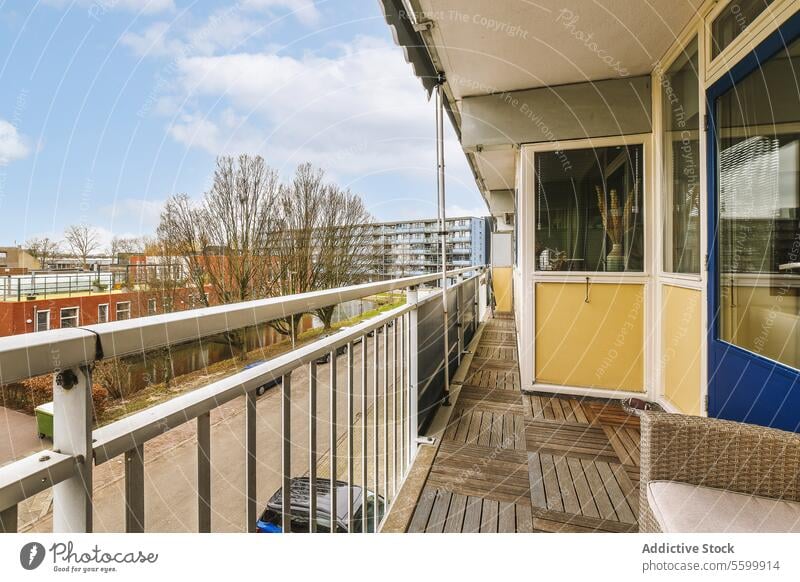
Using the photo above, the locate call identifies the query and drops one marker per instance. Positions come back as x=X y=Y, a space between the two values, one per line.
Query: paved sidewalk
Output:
x=18 y=436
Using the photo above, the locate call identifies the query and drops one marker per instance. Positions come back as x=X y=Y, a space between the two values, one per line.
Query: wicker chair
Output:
x=716 y=453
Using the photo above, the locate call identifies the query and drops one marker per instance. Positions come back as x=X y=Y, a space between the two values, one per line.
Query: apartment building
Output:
x=403 y=248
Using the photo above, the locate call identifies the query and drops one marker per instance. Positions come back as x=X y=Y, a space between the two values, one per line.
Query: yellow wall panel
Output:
x=502 y=287
x=599 y=344
x=681 y=346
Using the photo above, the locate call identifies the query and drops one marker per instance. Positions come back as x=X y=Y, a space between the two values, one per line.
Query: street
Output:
x=170 y=476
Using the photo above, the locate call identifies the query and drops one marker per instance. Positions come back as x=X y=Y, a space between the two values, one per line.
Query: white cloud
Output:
x=360 y=111
x=13 y=146
x=304 y=10
x=97 y=8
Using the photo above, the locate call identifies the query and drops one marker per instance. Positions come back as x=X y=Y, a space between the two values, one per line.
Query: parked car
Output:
x=326 y=357
x=271 y=383
x=272 y=517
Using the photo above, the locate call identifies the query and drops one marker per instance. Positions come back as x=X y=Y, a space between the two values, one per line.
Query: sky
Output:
x=108 y=107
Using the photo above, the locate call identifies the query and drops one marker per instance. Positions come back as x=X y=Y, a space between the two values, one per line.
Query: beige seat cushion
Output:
x=684 y=508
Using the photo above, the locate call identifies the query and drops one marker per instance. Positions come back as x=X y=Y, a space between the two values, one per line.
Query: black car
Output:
x=326 y=357
x=271 y=383
x=272 y=517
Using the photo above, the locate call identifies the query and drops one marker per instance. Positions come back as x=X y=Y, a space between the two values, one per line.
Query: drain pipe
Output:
x=442 y=227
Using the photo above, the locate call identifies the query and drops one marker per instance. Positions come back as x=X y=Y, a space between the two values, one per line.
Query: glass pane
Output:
x=589 y=209
x=759 y=208
x=681 y=164
x=733 y=20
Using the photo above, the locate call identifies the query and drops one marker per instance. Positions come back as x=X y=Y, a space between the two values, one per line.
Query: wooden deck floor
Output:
x=513 y=462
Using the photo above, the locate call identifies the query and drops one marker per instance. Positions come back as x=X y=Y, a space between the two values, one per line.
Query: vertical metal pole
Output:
x=395 y=328
x=286 y=452
x=350 y=365
x=134 y=490
x=385 y=396
x=364 y=447
x=251 y=467
x=413 y=375
x=403 y=408
x=332 y=439
x=375 y=380
x=442 y=229
x=459 y=317
x=72 y=435
x=312 y=446
x=204 y=473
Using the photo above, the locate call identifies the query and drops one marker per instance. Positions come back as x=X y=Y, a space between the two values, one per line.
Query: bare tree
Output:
x=344 y=256
x=42 y=249
x=127 y=245
x=323 y=243
x=224 y=239
x=82 y=240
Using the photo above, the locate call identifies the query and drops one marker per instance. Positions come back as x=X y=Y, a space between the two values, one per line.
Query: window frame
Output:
x=117 y=310
x=61 y=317
x=152 y=306
x=99 y=306
x=659 y=136
x=648 y=199
x=752 y=35
x=36 y=320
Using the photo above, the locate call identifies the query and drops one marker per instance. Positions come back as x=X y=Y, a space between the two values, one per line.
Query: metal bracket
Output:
x=423 y=25
x=426 y=440
x=66 y=379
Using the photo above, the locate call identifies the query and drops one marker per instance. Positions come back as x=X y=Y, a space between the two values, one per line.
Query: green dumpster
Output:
x=44 y=420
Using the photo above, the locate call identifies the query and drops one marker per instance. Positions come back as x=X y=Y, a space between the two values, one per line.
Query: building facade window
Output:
x=589 y=209
x=758 y=196
x=681 y=163
x=102 y=313
x=123 y=310
x=69 y=317
x=733 y=21
x=42 y=320
x=151 y=307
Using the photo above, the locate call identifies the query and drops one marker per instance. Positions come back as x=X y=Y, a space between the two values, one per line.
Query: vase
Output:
x=615 y=261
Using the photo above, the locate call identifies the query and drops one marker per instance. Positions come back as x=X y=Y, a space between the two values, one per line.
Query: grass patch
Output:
x=161 y=392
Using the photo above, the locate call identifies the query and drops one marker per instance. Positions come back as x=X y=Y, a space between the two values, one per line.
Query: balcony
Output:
x=382 y=380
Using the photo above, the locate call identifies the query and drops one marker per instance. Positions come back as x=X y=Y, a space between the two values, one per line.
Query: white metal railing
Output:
x=392 y=338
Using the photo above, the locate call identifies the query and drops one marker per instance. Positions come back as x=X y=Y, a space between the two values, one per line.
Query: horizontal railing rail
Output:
x=33 y=354
x=390 y=349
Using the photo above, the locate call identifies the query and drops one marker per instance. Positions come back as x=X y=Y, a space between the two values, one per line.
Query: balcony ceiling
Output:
x=487 y=46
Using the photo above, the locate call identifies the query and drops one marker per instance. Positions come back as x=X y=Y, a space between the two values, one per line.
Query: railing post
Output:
x=72 y=435
x=459 y=317
x=412 y=297
x=251 y=464
x=204 y=473
x=134 y=490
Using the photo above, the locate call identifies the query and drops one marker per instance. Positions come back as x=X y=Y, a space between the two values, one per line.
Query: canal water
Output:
x=154 y=367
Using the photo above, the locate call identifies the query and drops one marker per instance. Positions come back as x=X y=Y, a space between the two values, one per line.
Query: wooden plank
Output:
x=489 y=516
x=439 y=512
x=616 y=494
x=524 y=520
x=485 y=435
x=616 y=444
x=568 y=495
x=474 y=427
x=580 y=415
x=423 y=511
x=582 y=488
x=507 y=519
x=552 y=491
x=463 y=427
x=554 y=521
x=599 y=494
x=455 y=517
x=472 y=515
x=631 y=492
x=538 y=497
x=497 y=431
x=519 y=432
x=452 y=426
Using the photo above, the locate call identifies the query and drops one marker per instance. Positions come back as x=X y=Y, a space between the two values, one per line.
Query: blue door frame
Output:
x=744 y=386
